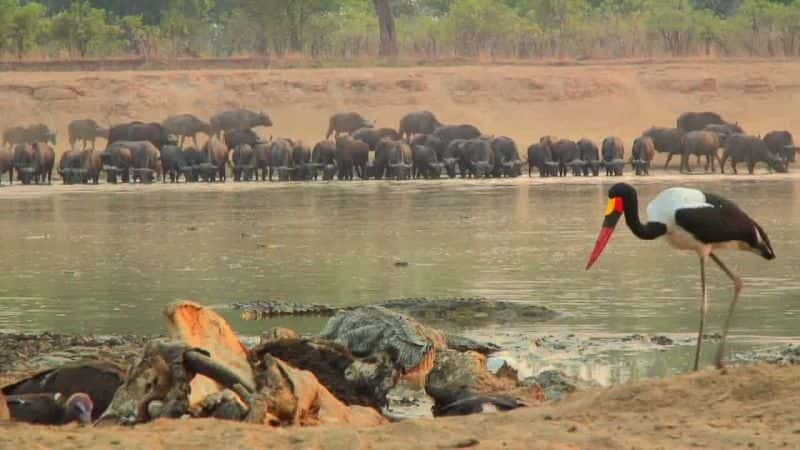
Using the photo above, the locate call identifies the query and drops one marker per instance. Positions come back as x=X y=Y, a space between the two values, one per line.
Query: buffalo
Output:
x=564 y=152
x=138 y=131
x=696 y=121
x=372 y=136
x=186 y=125
x=666 y=140
x=420 y=122
x=358 y=154
x=613 y=151
x=590 y=155
x=174 y=163
x=323 y=157
x=280 y=159
x=217 y=155
x=507 y=160
x=85 y=130
x=235 y=138
x=237 y=119
x=426 y=163
x=540 y=155
x=750 y=149
x=781 y=143
x=449 y=133
x=80 y=166
x=28 y=135
x=346 y=122
x=6 y=165
x=700 y=143
x=243 y=160
x=400 y=161
x=642 y=154
x=478 y=158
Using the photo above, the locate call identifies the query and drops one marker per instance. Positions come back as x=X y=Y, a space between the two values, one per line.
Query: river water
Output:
x=107 y=262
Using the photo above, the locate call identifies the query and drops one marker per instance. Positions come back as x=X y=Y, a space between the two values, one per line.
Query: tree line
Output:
x=430 y=29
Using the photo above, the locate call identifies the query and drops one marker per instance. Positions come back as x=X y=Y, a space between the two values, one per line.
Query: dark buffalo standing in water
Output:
x=34 y=162
x=507 y=160
x=400 y=161
x=477 y=158
x=6 y=165
x=323 y=157
x=358 y=152
x=750 y=149
x=174 y=163
x=426 y=162
x=613 y=151
x=85 y=130
x=696 y=121
x=449 y=156
x=280 y=159
x=217 y=155
x=540 y=156
x=642 y=154
x=28 y=135
x=564 y=152
x=346 y=122
x=186 y=125
x=138 y=131
x=420 y=122
x=449 y=133
x=700 y=143
x=80 y=166
x=243 y=162
x=301 y=162
x=372 y=136
x=238 y=119
x=117 y=161
x=781 y=143
x=590 y=155
x=666 y=140
x=144 y=164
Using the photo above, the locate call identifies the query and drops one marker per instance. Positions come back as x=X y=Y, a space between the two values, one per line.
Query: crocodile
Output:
x=451 y=311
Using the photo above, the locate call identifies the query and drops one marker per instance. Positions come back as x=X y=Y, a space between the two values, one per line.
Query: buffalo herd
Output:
x=354 y=147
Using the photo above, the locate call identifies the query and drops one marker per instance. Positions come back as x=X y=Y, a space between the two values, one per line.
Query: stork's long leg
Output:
x=703 y=311
x=737 y=288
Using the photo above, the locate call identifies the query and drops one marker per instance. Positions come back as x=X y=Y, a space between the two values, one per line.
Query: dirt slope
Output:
x=744 y=408
x=519 y=101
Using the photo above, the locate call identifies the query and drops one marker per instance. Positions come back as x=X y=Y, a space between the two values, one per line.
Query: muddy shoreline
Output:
x=36 y=191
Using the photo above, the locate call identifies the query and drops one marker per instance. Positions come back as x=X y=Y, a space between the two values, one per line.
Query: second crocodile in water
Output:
x=452 y=311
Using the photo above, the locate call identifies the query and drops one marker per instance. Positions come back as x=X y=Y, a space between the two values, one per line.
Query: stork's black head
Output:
x=760 y=243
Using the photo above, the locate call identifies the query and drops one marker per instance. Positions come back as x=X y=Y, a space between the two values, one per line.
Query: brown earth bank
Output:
x=523 y=102
x=742 y=407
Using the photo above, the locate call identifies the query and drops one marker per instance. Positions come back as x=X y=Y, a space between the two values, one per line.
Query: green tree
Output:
x=82 y=28
x=26 y=25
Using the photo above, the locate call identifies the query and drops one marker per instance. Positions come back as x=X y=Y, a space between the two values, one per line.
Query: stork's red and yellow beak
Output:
x=613 y=213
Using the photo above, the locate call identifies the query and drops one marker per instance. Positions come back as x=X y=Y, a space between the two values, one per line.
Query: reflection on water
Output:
x=108 y=262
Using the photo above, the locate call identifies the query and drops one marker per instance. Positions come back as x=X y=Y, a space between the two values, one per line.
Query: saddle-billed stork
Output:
x=689 y=219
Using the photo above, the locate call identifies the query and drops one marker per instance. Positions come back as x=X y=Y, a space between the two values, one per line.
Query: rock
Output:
x=278 y=334
x=661 y=340
x=554 y=383
x=374 y=330
x=405 y=401
x=463 y=344
x=463 y=371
